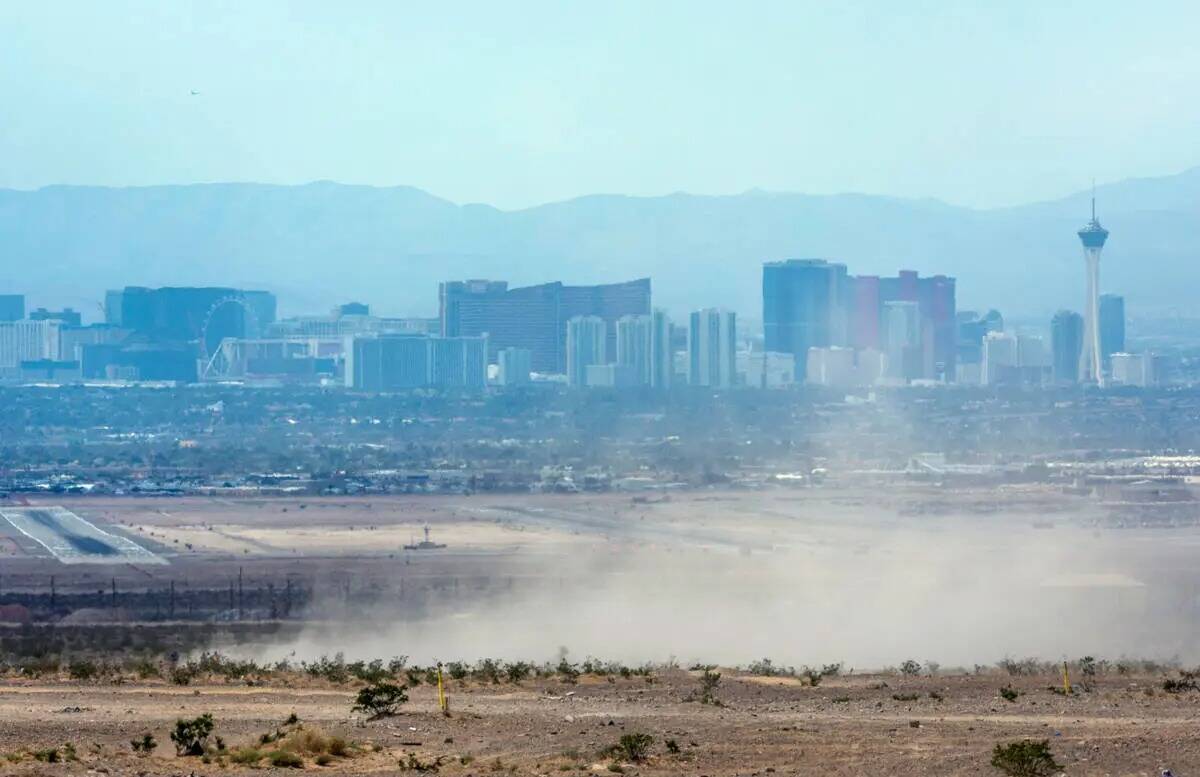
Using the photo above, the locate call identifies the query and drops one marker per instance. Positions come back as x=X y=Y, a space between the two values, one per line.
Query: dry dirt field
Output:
x=848 y=725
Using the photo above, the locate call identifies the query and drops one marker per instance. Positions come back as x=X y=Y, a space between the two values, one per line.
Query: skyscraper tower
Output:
x=1092 y=237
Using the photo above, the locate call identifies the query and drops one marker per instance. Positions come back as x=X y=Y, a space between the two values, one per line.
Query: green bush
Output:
x=286 y=760
x=710 y=681
x=190 y=736
x=145 y=745
x=633 y=747
x=380 y=700
x=1026 y=758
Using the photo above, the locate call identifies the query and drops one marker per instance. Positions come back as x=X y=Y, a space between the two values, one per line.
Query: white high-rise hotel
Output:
x=1092 y=236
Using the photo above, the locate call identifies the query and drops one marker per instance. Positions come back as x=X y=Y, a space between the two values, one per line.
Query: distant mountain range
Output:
x=322 y=243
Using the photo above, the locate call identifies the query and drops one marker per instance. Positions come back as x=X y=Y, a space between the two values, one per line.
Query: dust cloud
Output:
x=956 y=592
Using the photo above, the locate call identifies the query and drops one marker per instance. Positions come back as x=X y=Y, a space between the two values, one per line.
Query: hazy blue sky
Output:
x=516 y=103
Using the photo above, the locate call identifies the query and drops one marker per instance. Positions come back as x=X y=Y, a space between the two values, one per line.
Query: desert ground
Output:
x=847 y=725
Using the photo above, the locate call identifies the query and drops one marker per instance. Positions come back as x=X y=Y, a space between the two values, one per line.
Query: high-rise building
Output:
x=635 y=346
x=999 y=357
x=804 y=306
x=767 y=369
x=515 y=365
x=12 y=307
x=662 y=351
x=399 y=361
x=535 y=317
x=845 y=367
x=1112 y=326
x=1133 y=369
x=1066 y=339
x=28 y=341
x=458 y=362
x=587 y=344
x=112 y=306
x=189 y=314
x=866 y=311
x=1093 y=237
x=902 y=340
x=712 y=348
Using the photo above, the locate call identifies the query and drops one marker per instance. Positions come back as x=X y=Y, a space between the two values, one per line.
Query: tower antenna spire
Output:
x=1093 y=199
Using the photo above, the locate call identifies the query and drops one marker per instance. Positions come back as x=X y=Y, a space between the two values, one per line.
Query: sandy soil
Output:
x=847 y=726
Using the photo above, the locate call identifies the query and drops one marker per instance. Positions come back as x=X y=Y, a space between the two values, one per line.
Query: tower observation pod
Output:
x=1092 y=237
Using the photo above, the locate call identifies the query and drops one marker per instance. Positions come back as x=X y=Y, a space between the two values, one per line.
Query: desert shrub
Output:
x=488 y=671
x=397 y=664
x=672 y=746
x=517 y=671
x=410 y=762
x=910 y=668
x=936 y=696
x=324 y=759
x=764 y=667
x=1087 y=666
x=567 y=671
x=370 y=672
x=1185 y=682
x=183 y=674
x=905 y=696
x=84 y=670
x=339 y=747
x=332 y=669
x=145 y=669
x=710 y=681
x=457 y=670
x=246 y=756
x=1026 y=758
x=145 y=745
x=49 y=755
x=380 y=700
x=1008 y=693
x=1018 y=668
x=190 y=736
x=633 y=747
x=414 y=675
x=285 y=759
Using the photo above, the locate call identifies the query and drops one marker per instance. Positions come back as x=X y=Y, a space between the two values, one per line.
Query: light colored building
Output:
x=845 y=367
x=902 y=340
x=29 y=341
x=1135 y=369
x=612 y=376
x=712 y=348
x=999 y=353
x=766 y=370
x=396 y=362
x=662 y=365
x=635 y=347
x=515 y=365
x=587 y=344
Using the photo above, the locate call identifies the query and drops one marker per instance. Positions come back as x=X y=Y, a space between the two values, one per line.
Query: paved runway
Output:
x=74 y=540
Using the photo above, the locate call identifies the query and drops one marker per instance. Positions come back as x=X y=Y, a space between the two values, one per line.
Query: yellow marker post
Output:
x=1066 y=680
x=441 y=692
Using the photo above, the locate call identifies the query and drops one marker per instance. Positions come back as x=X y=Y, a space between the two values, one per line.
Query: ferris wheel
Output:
x=218 y=355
